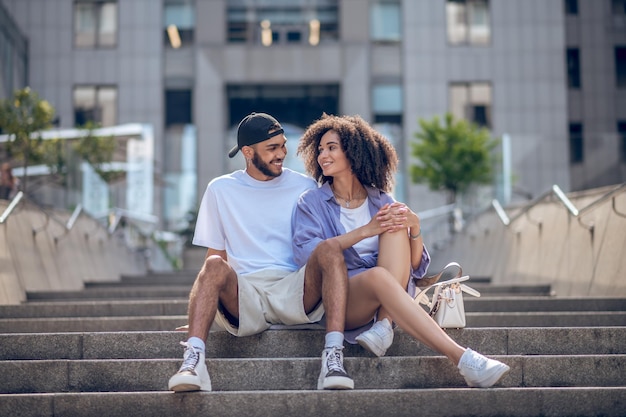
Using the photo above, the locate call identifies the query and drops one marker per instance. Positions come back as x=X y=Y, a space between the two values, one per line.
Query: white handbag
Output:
x=446 y=305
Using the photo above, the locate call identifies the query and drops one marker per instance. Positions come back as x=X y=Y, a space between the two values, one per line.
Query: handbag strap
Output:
x=470 y=290
x=422 y=297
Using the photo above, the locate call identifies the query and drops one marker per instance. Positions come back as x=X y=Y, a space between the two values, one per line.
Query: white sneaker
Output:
x=333 y=375
x=193 y=374
x=378 y=338
x=480 y=371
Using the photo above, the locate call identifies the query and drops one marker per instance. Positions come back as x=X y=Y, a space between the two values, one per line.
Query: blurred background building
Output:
x=549 y=75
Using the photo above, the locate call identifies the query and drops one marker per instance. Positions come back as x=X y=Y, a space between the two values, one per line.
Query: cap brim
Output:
x=235 y=148
x=233 y=151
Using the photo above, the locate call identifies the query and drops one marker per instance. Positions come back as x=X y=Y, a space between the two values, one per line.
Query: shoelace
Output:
x=334 y=360
x=190 y=359
x=476 y=362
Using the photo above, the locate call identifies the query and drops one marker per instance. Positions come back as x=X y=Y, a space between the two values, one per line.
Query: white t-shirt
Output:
x=251 y=219
x=352 y=218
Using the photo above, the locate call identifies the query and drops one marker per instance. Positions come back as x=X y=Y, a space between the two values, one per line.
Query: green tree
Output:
x=59 y=155
x=452 y=156
x=98 y=151
x=23 y=116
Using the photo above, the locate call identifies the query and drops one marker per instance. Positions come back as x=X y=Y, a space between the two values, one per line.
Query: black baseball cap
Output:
x=253 y=129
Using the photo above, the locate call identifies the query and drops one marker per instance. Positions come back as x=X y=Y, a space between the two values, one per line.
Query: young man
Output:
x=249 y=279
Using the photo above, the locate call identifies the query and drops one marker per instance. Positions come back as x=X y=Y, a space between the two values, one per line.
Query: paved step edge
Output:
x=167 y=291
x=109 y=308
x=171 y=322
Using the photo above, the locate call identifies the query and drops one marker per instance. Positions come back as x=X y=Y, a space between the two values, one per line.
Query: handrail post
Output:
x=70 y=223
x=566 y=201
x=14 y=202
x=74 y=217
x=500 y=211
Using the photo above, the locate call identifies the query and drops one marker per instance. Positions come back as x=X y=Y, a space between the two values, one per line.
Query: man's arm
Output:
x=221 y=253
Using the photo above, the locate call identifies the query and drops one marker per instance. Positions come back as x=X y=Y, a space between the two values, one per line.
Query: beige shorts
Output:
x=267 y=298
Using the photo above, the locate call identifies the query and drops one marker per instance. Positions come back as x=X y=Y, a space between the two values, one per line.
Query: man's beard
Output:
x=263 y=167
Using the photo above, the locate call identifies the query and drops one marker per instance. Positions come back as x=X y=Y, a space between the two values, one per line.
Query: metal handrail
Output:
x=567 y=203
x=70 y=222
x=504 y=217
x=14 y=202
x=436 y=212
x=117 y=214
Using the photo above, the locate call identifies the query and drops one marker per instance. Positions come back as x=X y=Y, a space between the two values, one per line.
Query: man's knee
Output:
x=329 y=252
x=215 y=272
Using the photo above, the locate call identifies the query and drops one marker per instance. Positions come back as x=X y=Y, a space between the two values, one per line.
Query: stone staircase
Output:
x=109 y=350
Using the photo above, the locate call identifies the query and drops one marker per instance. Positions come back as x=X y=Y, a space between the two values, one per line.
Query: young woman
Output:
x=381 y=240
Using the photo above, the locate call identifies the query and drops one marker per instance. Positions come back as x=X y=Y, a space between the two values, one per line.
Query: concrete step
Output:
x=171 y=322
x=116 y=291
x=440 y=402
x=248 y=374
x=178 y=306
x=110 y=349
x=187 y=277
x=159 y=291
x=305 y=343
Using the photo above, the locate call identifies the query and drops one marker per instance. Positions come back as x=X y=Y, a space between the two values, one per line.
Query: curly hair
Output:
x=372 y=157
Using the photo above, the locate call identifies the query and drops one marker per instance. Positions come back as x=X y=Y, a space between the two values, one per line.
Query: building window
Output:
x=97 y=104
x=571 y=7
x=179 y=23
x=576 y=149
x=95 y=24
x=620 y=66
x=573 y=67
x=621 y=132
x=178 y=107
x=13 y=55
x=472 y=101
x=286 y=22
x=618 y=7
x=387 y=103
x=468 y=22
x=385 y=21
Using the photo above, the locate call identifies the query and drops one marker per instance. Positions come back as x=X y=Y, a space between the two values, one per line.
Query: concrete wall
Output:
x=548 y=246
x=36 y=254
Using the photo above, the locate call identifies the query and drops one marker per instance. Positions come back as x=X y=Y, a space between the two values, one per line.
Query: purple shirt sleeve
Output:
x=316 y=218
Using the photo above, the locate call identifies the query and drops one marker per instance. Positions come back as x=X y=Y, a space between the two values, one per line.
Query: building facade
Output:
x=193 y=68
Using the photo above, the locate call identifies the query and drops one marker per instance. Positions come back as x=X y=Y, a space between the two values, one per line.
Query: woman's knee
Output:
x=378 y=276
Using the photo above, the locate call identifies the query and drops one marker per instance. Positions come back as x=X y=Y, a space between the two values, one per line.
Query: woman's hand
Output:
x=397 y=216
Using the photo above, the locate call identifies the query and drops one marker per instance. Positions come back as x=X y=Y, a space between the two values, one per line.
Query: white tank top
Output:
x=352 y=218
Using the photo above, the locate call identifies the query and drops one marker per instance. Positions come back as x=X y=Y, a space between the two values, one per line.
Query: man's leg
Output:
x=326 y=277
x=216 y=283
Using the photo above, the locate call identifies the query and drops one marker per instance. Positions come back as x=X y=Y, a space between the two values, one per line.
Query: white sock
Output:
x=333 y=339
x=197 y=343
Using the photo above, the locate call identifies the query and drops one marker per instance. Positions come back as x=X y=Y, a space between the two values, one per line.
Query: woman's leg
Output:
x=394 y=255
x=377 y=288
